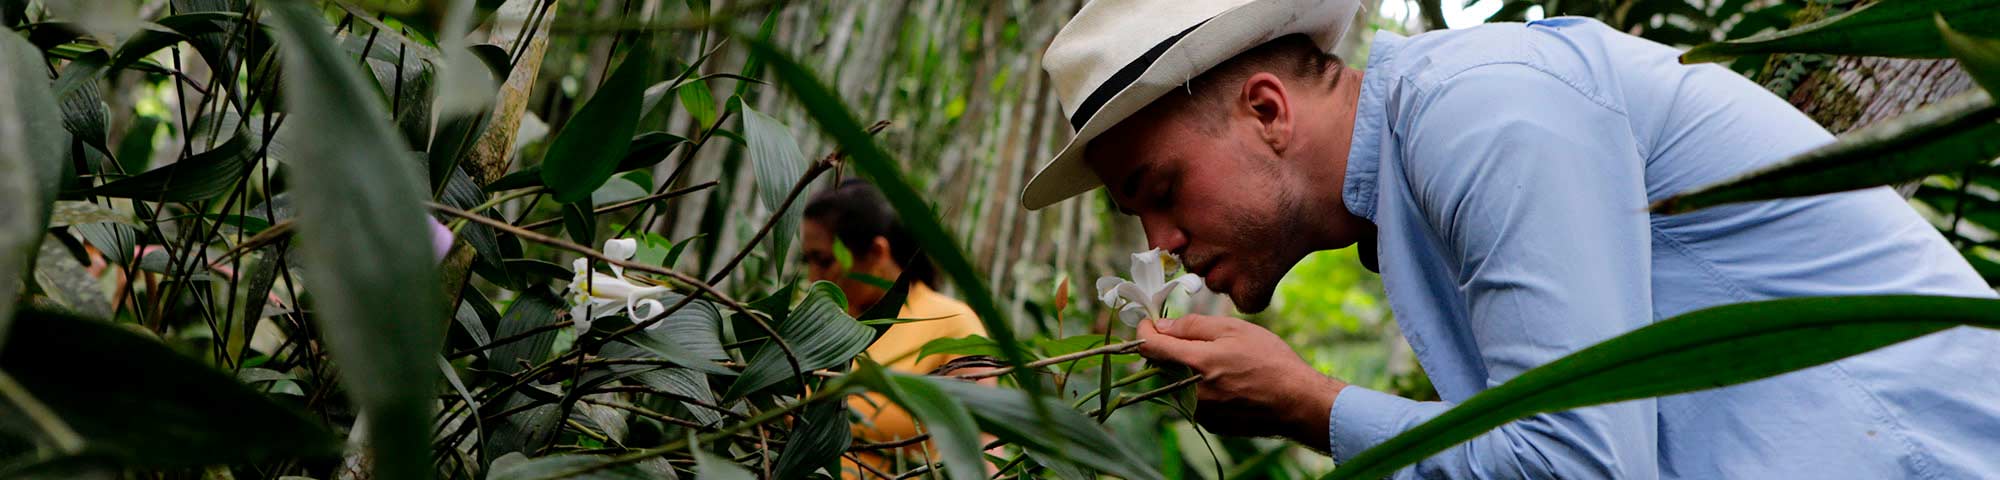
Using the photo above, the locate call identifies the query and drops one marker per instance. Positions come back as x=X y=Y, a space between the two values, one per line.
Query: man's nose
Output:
x=1163 y=234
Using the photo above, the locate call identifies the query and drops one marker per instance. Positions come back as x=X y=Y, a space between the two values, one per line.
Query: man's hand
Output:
x=1252 y=383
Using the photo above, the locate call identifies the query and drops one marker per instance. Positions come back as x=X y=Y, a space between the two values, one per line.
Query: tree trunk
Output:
x=1851 y=92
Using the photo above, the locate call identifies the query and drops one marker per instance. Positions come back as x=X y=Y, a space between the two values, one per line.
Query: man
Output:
x=1500 y=175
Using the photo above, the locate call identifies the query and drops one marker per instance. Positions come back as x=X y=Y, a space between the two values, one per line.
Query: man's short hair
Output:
x=1293 y=58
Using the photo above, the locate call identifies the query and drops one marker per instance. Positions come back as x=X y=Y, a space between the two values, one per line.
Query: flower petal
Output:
x=652 y=307
x=1107 y=289
x=1132 y=314
x=1146 y=270
x=621 y=248
x=1133 y=295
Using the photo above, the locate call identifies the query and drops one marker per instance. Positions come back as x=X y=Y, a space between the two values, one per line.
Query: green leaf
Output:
x=135 y=151
x=891 y=303
x=646 y=150
x=779 y=165
x=585 y=153
x=175 y=29
x=872 y=161
x=818 y=438
x=1061 y=432
x=515 y=466
x=162 y=411
x=535 y=308
x=375 y=286
x=1888 y=28
x=204 y=176
x=33 y=160
x=82 y=101
x=1947 y=136
x=1709 y=348
x=966 y=345
x=710 y=467
x=690 y=337
x=948 y=421
x=698 y=100
x=819 y=332
x=1979 y=57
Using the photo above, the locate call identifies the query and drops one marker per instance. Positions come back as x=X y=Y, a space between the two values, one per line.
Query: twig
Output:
x=1151 y=394
x=1126 y=347
x=813 y=172
x=832 y=390
x=510 y=339
x=629 y=203
x=797 y=370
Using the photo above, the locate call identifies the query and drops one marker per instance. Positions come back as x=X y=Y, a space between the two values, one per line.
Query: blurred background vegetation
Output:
x=970 y=115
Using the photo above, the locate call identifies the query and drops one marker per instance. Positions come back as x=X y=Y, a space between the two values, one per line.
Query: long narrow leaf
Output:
x=32 y=159
x=819 y=332
x=1705 y=349
x=1980 y=57
x=375 y=286
x=588 y=149
x=1889 y=28
x=779 y=164
x=1062 y=432
x=1943 y=137
x=872 y=161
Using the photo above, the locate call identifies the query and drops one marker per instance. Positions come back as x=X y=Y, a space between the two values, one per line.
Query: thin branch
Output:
x=630 y=203
x=813 y=172
x=510 y=339
x=798 y=371
x=1126 y=347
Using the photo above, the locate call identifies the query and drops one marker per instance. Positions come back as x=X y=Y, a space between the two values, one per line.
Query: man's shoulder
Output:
x=1574 y=50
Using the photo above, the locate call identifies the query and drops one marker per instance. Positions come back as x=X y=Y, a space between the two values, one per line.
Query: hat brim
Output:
x=1214 y=41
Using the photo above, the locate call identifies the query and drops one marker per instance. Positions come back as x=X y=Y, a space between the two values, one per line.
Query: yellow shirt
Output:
x=897 y=349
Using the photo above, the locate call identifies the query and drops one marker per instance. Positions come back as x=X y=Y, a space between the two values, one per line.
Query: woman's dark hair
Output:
x=856 y=213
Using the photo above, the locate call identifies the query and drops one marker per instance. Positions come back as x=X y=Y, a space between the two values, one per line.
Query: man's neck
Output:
x=1342 y=104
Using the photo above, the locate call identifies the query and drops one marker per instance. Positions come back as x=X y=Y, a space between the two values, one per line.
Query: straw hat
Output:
x=1116 y=56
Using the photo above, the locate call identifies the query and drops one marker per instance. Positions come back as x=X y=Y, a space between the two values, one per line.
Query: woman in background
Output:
x=854 y=217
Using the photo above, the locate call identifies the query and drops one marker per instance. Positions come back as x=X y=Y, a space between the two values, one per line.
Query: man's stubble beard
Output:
x=1263 y=268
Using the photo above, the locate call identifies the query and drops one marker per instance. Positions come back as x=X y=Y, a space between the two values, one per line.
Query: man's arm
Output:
x=1538 y=193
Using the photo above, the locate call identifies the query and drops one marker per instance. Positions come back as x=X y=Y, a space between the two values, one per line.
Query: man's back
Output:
x=1508 y=170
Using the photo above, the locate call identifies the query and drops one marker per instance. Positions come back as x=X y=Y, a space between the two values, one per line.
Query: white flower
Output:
x=1146 y=294
x=594 y=295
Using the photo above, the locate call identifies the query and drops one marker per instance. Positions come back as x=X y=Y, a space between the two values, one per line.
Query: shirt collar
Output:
x=1364 y=155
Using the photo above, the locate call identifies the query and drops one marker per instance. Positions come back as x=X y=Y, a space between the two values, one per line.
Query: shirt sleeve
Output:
x=1537 y=191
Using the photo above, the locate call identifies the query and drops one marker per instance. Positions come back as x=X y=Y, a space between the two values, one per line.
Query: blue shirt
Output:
x=1508 y=168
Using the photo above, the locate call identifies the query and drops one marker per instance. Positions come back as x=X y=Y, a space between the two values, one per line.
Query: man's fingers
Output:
x=1160 y=346
x=1199 y=327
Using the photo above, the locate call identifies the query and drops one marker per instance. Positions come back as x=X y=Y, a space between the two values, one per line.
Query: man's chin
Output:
x=1251 y=302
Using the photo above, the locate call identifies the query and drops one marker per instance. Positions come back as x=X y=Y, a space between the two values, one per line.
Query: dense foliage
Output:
x=538 y=239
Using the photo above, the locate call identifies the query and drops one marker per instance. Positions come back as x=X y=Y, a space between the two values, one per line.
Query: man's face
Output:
x=1213 y=193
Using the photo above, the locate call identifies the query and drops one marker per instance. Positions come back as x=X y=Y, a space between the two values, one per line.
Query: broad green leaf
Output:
x=515 y=466
x=1947 y=136
x=375 y=286
x=114 y=240
x=891 y=303
x=529 y=429
x=461 y=192
x=819 y=332
x=62 y=279
x=1060 y=432
x=687 y=383
x=535 y=308
x=163 y=410
x=1980 y=57
x=171 y=30
x=947 y=420
x=647 y=149
x=818 y=438
x=779 y=165
x=872 y=161
x=1709 y=348
x=82 y=101
x=1888 y=28
x=586 y=152
x=204 y=176
x=698 y=100
x=33 y=160
x=690 y=337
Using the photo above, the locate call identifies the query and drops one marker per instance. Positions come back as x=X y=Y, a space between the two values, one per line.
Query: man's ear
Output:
x=880 y=249
x=1264 y=98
